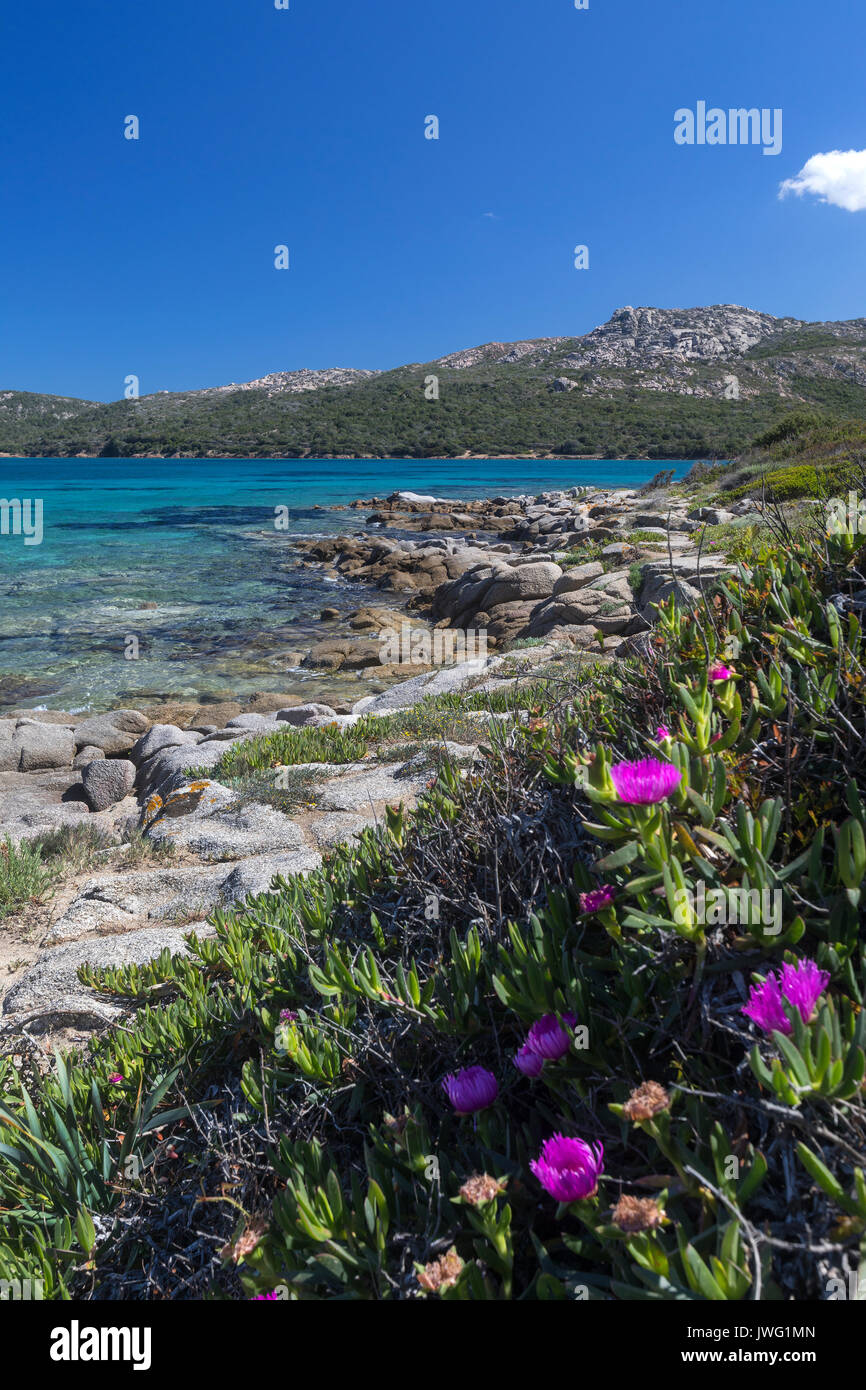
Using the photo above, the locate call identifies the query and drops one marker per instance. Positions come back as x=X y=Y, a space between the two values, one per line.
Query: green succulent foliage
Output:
x=335 y=1003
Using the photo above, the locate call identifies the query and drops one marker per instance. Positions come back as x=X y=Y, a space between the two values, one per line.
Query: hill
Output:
x=656 y=383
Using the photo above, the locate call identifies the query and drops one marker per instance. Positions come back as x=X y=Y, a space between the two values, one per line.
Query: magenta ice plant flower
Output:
x=802 y=986
x=472 y=1089
x=273 y=1296
x=662 y=732
x=645 y=782
x=528 y=1062
x=720 y=672
x=568 y=1169
x=766 y=1008
x=548 y=1039
x=288 y=1015
x=116 y=1079
x=599 y=898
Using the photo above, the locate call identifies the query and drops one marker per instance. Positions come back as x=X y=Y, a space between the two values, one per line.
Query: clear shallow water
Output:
x=196 y=538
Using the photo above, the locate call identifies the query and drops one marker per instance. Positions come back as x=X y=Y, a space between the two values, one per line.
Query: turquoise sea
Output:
x=195 y=541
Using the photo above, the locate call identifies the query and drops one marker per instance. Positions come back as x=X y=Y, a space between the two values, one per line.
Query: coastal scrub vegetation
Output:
x=485 y=409
x=587 y=1024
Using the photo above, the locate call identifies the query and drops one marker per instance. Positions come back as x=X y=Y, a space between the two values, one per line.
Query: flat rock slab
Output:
x=121 y=902
x=412 y=692
x=125 y=901
x=30 y=803
x=51 y=984
x=376 y=787
x=252 y=877
x=336 y=827
x=235 y=832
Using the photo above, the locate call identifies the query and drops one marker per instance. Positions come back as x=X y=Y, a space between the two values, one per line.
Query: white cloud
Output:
x=838 y=177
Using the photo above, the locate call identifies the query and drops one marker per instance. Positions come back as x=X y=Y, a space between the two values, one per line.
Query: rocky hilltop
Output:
x=659 y=383
x=303 y=380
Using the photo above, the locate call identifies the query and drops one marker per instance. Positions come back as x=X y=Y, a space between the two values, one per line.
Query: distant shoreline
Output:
x=349 y=458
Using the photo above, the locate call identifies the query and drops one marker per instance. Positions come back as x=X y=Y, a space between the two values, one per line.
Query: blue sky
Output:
x=306 y=127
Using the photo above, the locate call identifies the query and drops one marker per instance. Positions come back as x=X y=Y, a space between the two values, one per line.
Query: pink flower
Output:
x=548 y=1039
x=645 y=782
x=116 y=1079
x=265 y=1297
x=765 y=1007
x=802 y=985
x=569 y=1169
x=720 y=673
x=597 y=899
x=529 y=1062
x=472 y=1089
x=662 y=732
x=287 y=1015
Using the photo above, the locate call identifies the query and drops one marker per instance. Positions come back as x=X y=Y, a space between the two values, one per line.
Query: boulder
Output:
x=578 y=577
x=161 y=736
x=336 y=654
x=107 y=781
x=218 y=713
x=165 y=769
x=658 y=587
x=87 y=755
x=521 y=582
x=305 y=714
x=114 y=733
x=715 y=516
x=260 y=723
x=268 y=702
x=42 y=746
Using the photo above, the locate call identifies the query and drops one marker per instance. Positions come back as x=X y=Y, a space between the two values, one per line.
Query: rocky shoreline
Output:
x=510 y=568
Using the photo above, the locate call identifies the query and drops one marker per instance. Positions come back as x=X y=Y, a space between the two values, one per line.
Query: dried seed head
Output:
x=648 y=1100
x=635 y=1214
x=480 y=1189
x=442 y=1273
x=246 y=1241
